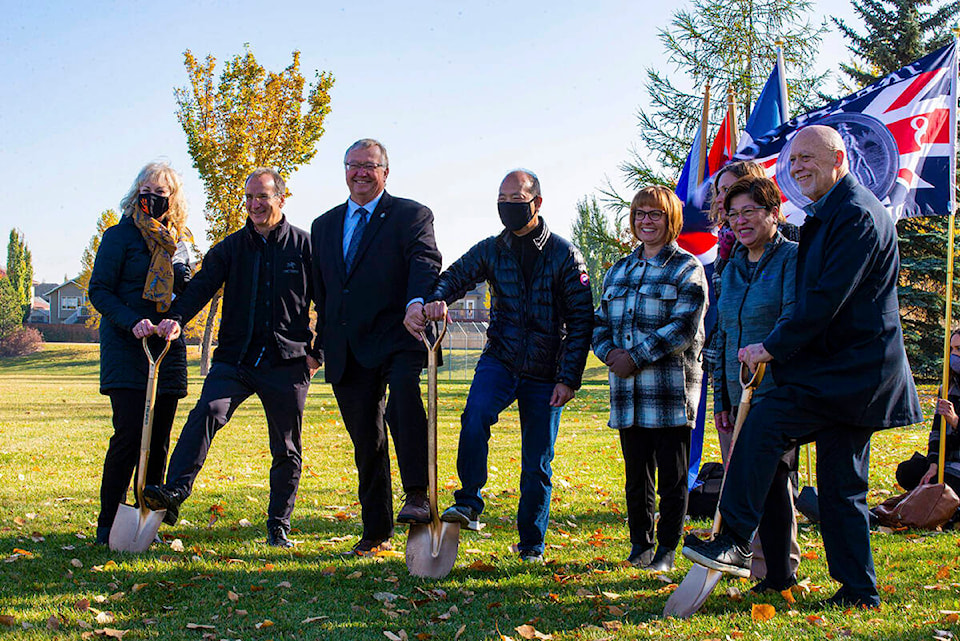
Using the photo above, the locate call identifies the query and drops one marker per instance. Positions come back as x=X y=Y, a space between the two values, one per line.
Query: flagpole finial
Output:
x=778 y=42
x=955 y=30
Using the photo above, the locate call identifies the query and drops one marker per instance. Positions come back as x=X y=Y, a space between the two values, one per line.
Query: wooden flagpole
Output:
x=702 y=152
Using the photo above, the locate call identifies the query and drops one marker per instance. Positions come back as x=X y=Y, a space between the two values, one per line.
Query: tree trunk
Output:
x=205 y=347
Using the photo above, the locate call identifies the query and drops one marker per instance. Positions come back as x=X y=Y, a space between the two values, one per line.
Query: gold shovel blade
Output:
x=432 y=548
x=692 y=592
x=134 y=529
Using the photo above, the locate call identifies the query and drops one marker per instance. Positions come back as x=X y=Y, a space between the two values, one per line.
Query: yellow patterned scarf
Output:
x=162 y=243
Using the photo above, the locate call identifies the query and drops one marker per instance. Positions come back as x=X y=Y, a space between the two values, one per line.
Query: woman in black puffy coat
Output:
x=142 y=263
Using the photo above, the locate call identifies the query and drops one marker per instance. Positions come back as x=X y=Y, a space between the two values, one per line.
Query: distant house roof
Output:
x=39 y=303
x=63 y=284
x=3 y=273
x=42 y=289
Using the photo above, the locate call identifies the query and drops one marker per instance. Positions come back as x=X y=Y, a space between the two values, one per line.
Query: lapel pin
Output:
x=381 y=215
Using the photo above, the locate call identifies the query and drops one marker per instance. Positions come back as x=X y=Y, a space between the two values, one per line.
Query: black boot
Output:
x=640 y=556
x=662 y=560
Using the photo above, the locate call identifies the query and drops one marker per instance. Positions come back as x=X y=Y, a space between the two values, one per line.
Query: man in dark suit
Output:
x=376 y=261
x=840 y=368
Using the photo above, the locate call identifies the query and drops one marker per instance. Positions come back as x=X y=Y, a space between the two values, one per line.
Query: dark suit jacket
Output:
x=841 y=351
x=397 y=261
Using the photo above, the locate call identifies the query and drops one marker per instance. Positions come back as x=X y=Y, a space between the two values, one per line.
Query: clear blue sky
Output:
x=459 y=92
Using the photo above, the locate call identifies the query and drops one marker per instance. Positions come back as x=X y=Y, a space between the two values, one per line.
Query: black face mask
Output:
x=515 y=216
x=955 y=364
x=153 y=205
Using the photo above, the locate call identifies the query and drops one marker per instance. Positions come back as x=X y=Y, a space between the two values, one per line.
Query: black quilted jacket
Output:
x=541 y=332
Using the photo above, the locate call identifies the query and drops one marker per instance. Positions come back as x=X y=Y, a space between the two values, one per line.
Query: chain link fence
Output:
x=461 y=349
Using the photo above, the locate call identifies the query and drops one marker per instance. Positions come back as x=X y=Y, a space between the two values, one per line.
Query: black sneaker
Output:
x=722 y=553
x=765 y=586
x=277 y=537
x=467 y=517
x=159 y=497
x=843 y=598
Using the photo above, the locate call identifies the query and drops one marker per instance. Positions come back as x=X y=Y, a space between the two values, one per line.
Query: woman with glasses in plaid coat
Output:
x=649 y=331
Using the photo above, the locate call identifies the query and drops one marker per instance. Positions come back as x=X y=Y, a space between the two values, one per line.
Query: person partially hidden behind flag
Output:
x=840 y=368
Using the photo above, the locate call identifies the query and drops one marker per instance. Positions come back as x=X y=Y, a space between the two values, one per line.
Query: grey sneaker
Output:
x=467 y=517
x=531 y=556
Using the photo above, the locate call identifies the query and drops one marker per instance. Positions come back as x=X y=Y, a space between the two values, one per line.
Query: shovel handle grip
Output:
x=433 y=346
x=155 y=362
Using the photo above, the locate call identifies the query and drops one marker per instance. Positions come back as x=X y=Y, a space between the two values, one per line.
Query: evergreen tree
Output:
x=897 y=33
x=601 y=243
x=723 y=43
x=20 y=271
x=11 y=316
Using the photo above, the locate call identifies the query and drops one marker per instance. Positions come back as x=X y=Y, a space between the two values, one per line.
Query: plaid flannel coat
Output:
x=654 y=309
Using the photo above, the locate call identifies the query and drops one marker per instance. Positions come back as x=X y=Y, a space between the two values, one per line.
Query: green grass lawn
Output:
x=220 y=581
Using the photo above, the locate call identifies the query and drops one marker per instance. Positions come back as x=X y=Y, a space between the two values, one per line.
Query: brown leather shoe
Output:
x=416 y=510
x=369 y=547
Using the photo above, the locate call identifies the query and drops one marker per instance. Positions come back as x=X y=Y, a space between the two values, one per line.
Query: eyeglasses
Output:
x=749 y=213
x=369 y=166
x=653 y=215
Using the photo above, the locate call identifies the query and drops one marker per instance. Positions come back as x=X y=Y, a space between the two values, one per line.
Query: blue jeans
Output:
x=493 y=389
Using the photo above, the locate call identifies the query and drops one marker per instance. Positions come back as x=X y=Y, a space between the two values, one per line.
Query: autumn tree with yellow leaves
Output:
x=248 y=118
x=108 y=218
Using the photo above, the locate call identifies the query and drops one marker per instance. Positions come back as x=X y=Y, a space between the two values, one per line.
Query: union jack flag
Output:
x=899 y=138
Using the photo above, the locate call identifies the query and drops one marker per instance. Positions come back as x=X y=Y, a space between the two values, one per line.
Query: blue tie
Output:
x=355 y=239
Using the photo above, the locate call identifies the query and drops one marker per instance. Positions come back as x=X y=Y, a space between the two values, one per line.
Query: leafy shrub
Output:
x=20 y=343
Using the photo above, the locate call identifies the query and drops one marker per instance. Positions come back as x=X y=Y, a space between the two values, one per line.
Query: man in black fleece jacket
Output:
x=264 y=348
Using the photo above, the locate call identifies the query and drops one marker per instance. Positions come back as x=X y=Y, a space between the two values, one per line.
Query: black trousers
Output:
x=282 y=389
x=843 y=461
x=123 y=452
x=666 y=452
x=776 y=526
x=361 y=396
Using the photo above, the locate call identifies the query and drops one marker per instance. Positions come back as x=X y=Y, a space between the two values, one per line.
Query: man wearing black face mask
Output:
x=541 y=321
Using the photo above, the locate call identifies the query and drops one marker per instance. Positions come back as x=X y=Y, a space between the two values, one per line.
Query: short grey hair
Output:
x=535 y=187
x=278 y=181
x=366 y=143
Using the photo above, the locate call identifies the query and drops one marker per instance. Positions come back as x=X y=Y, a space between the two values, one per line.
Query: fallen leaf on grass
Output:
x=734 y=594
x=244 y=523
x=527 y=631
x=762 y=612
x=355 y=575
x=950 y=618
x=53 y=623
x=200 y=626
x=82 y=605
x=233 y=596
x=463 y=628
x=481 y=566
x=889 y=589
x=103 y=618
x=266 y=623
x=284 y=584
x=943 y=572
x=77 y=563
x=611 y=626
x=315 y=619
x=24 y=553
x=176 y=545
x=814 y=619
x=810 y=556
x=8 y=619
x=613 y=596
x=400 y=635
x=788 y=595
